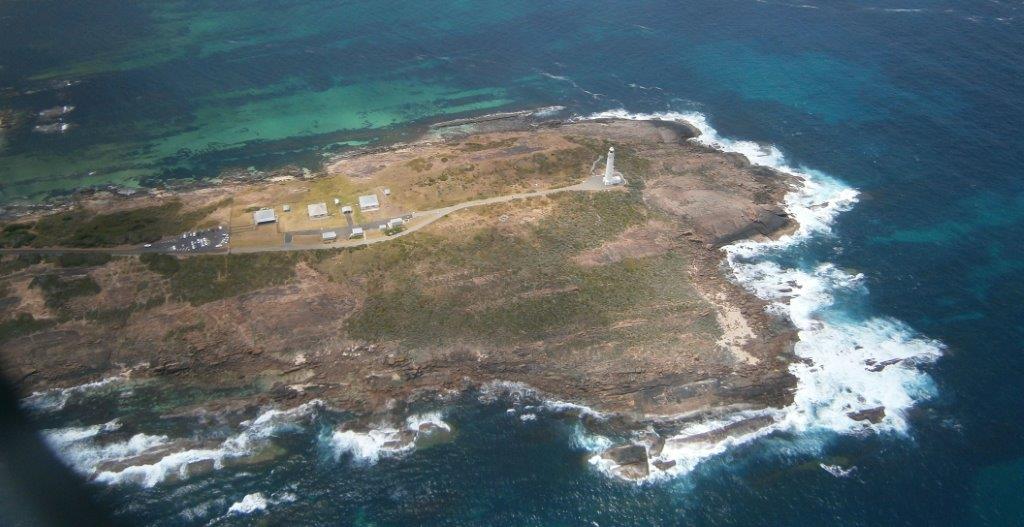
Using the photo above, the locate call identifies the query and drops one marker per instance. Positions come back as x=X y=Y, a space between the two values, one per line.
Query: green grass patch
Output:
x=490 y=145
x=532 y=289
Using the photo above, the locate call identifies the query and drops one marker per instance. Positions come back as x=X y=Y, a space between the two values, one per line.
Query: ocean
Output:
x=903 y=118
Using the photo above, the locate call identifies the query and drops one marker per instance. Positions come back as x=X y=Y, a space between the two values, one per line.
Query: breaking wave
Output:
x=524 y=397
x=143 y=459
x=56 y=398
x=856 y=374
x=368 y=447
x=249 y=504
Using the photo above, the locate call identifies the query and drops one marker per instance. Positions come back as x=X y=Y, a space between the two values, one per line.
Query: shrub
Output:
x=160 y=263
x=83 y=259
x=16 y=235
x=58 y=291
x=126 y=227
x=19 y=262
x=23 y=324
x=202 y=279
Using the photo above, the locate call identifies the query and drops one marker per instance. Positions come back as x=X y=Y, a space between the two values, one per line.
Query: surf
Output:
x=856 y=374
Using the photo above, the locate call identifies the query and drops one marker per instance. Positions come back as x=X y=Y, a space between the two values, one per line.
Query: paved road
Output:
x=343 y=233
x=191 y=243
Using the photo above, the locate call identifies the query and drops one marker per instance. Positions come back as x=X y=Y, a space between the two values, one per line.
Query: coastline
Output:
x=733 y=299
x=414 y=133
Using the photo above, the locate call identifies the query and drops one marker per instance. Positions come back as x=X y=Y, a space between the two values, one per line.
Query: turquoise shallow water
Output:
x=918 y=105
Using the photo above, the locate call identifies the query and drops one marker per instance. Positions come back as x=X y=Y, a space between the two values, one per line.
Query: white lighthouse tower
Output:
x=610 y=176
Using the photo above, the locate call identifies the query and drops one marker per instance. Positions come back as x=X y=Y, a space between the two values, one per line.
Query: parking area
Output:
x=205 y=241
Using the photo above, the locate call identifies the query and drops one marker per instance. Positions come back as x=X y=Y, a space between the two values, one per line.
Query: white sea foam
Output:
x=572 y=83
x=588 y=441
x=434 y=419
x=519 y=392
x=547 y=111
x=55 y=399
x=249 y=504
x=837 y=471
x=384 y=440
x=850 y=364
x=253 y=436
x=84 y=449
x=79 y=448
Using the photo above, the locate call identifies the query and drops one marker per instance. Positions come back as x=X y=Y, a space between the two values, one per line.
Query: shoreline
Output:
x=752 y=311
x=423 y=132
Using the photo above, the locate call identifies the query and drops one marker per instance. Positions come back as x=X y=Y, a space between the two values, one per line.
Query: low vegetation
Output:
x=490 y=145
x=419 y=164
x=16 y=235
x=16 y=263
x=57 y=290
x=79 y=228
x=515 y=285
x=202 y=279
x=21 y=324
x=82 y=259
x=633 y=167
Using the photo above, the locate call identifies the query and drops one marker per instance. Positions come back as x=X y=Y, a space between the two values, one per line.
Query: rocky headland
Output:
x=617 y=300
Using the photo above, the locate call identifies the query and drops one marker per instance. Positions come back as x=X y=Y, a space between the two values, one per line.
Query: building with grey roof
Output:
x=264 y=216
x=317 y=210
x=369 y=202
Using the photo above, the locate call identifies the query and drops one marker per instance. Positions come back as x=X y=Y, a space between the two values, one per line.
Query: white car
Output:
x=148 y=245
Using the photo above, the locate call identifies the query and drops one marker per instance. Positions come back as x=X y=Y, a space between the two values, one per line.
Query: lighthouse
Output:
x=610 y=176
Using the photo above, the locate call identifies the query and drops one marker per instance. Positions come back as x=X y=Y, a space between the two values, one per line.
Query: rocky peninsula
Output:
x=614 y=299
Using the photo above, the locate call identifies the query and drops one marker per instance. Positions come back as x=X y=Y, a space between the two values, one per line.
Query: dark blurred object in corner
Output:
x=36 y=489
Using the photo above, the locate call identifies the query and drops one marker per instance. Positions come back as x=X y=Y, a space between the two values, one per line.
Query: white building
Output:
x=357 y=232
x=347 y=209
x=368 y=202
x=610 y=176
x=396 y=222
x=317 y=210
x=329 y=236
x=286 y=208
x=264 y=216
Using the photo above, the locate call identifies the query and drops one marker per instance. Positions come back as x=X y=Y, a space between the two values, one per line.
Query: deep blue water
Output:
x=918 y=105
